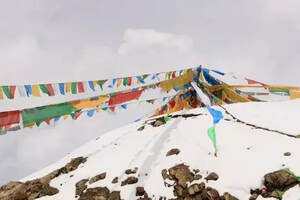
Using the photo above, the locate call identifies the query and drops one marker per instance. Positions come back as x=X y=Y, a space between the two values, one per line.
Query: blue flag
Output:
x=91 y=84
x=124 y=106
x=56 y=119
x=217 y=115
x=61 y=88
x=211 y=80
x=90 y=113
x=218 y=72
x=28 y=90
x=140 y=79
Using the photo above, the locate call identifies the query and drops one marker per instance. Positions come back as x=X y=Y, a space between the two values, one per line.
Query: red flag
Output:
x=8 y=118
x=124 y=97
x=80 y=87
x=255 y=82
x=50 y=89
x=7 y=127
x=77 y=114
x=112 y=108
x=172 y=103
x=174 y=74
x=12 y=91
x=129 y=81
x=48 y=121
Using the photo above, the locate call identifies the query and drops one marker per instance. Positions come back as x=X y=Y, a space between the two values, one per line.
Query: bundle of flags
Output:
x=28 y=117
x=79 y=87
x=192 y=87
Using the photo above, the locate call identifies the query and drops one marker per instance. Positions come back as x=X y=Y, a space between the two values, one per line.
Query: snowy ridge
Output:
x=245 y=154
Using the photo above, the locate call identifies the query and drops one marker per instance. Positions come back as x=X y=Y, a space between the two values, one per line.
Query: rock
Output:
x=97 y=178
x=195 y=188
x=212 y=176
x=39 y=187
x=98 y=193
x=115 y=195
x=275 y=195
x=196 y=171
x=182 y=174
x=197 y=177
x=227 y=196
x=141 y=128
x=158 y=122
x=287 y=154
x=28 y=190
x=281 y=180
x=174 y=151
x=130 y=180
x=254 y=196
x=80 y=186
x=140 y=191
x=115 y=180
x=180 y=191
x=212 y=194
x=164 y=174
x=130 y=171
x=74 y=163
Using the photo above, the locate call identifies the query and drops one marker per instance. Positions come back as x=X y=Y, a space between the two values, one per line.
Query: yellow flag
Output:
x=119 y=82
x=30 y=125
x=1 y=93
x=68 y=87
x=89 y=103
x=294 y=94
x=36 y=91
x=177 y=82
x=65 y=116
x=178 y=106
x=95 y=83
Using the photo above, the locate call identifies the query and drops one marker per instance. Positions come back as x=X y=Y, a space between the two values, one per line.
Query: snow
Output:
x=245 y=154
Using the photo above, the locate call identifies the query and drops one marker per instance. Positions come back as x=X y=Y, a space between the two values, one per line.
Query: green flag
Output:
x=100 y=82
x=125 y=81
x=7 y=92
x=74 y=87
x=169 y=75
x=113 y=94
x=44 y=89
x=212 y=135
x=167 y=118
x=40 y=114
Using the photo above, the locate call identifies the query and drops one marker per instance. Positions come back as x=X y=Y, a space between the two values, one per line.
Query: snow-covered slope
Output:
x=245 y=153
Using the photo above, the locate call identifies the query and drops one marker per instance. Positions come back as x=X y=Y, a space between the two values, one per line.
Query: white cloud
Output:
x=136 y=40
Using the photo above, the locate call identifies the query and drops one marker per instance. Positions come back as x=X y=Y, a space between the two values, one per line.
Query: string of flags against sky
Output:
x=178 y=90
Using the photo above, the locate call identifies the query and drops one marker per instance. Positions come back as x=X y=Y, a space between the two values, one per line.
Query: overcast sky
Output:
x=69 y=40
x=60 y=40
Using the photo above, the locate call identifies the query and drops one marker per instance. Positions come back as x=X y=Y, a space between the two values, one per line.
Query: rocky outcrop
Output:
x=39 y=187
x=212 y=176
x=97 y=178
x=131 y=171
x=26 y=191
x=100 y=193
x=184 y=187
x=80 y=186
x=275 y=184
x=174 y=151
x=115 y=180
x=129 y=181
